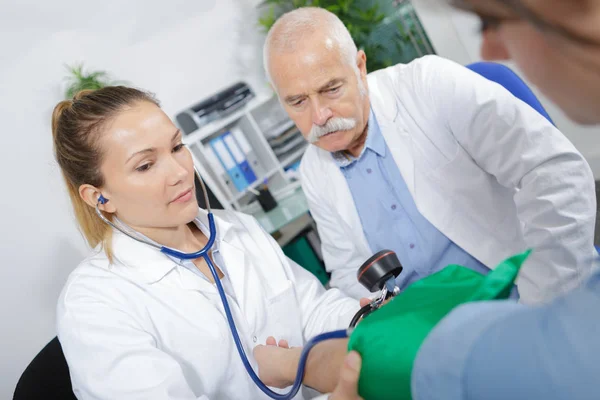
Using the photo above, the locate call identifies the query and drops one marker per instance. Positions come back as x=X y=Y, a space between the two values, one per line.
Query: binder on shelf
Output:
x=227 y=161
x=248 y=151
x=217 y=167
x=239 y=158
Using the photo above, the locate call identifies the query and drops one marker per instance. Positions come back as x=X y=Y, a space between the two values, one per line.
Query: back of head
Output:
x=559 y=37
x=296 y=27
x=77 y=126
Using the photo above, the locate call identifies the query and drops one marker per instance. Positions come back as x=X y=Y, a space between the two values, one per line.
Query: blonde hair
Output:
x=76 y=129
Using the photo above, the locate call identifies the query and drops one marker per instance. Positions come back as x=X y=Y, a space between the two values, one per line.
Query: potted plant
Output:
x=388 y=31
x=78 y=80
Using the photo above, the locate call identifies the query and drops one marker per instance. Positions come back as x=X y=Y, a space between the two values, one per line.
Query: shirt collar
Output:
x=147 y=260
x=375 y=142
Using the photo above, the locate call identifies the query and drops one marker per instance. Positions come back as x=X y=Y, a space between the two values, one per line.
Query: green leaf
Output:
x=268 y=19
x=79 y=80
x=375 y=26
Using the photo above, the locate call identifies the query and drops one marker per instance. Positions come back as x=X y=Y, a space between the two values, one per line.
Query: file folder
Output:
x=248 y=151
x=239 y=158
x=227 y=161
x=217 y=167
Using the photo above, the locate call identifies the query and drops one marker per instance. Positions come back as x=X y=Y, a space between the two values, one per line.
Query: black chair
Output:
x=46 y=377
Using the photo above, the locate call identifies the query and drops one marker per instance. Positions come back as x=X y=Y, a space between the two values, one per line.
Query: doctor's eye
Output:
x=178 y=147
x=334 y=90
x=143 y=168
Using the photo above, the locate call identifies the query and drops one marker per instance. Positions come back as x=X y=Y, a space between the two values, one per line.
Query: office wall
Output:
x=181 y=49
x=455 y=36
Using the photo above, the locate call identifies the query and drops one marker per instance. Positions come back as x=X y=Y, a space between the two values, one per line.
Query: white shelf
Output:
x=215 y=126
x=291 y=144
x=274 y=132
x=256 y=121
x=294 y=156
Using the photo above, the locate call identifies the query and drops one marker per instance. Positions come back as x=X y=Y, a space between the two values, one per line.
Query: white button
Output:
x=254 y=339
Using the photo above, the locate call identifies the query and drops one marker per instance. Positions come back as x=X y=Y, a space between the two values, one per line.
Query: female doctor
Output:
x=135 y=323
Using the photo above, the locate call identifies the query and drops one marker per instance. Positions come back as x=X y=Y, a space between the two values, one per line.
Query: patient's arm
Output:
x=324 y=363
x=277 y=366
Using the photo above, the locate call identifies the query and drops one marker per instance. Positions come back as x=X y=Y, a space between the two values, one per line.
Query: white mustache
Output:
x=333 y=125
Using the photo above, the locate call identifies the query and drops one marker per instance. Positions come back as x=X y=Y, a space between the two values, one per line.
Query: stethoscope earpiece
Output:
x=102 y=200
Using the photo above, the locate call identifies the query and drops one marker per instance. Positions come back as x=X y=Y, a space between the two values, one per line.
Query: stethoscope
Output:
x=376 y=273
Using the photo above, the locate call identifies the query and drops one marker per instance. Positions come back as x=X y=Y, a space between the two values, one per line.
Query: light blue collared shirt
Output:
x=501 y=350
x=389 y=216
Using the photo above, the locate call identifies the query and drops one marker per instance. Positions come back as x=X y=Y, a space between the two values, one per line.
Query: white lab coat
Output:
x=146 y=327
x=482 y=166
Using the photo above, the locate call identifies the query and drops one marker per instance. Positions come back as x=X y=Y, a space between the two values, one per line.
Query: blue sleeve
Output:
x=502 y=350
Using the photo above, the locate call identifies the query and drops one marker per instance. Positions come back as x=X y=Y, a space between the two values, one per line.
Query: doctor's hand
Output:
x=277 y=363
x=364 y=301
x=347 y=386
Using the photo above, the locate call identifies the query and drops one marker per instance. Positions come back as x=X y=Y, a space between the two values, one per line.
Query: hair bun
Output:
x=58 y=112
x=82 y=93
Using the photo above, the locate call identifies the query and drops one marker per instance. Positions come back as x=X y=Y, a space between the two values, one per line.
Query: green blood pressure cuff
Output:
x=389 y=338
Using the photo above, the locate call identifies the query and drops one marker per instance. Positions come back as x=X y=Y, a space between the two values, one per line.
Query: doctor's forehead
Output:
x=144 y=124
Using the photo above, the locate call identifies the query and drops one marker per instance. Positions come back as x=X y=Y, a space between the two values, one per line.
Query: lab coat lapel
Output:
x=344 y=201
x=397 y=138
x=194 y=279
x=245 y=281
x=398 y=141
x=140 y=260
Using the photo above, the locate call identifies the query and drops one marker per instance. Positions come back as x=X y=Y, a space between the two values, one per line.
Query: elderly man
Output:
x=503 y=350
x=429 y=160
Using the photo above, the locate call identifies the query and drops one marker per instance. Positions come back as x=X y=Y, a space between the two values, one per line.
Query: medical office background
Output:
x=182 y=50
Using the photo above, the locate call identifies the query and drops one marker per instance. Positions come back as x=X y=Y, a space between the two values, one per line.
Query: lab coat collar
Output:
x=389 y=115
x=147 y=261
x=375 y=141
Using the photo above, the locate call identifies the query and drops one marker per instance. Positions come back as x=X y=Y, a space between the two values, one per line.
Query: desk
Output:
x=288 y=210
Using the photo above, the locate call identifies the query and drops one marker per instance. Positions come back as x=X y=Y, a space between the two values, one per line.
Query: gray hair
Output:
x=295 y=26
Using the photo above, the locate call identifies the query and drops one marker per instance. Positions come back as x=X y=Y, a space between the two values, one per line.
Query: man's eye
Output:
x=298 y=103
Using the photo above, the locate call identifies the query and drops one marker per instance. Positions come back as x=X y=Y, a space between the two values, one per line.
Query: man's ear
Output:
x=361 y=63
x=91 y=195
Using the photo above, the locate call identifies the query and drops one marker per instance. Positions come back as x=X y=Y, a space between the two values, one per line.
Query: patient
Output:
x=135 y=323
